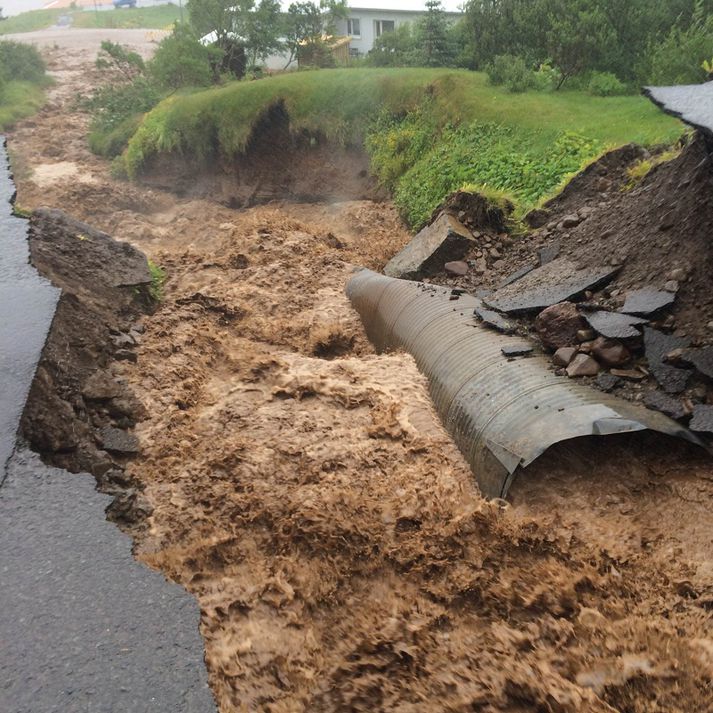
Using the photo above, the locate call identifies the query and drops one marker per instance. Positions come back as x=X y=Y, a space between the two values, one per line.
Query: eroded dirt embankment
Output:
x=303 y=489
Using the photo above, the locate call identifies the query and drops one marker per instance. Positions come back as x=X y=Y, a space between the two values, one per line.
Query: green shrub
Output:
x=605 y=84
x=511 y=72
x=21 y=62
x=679 y=57
x=489 y=155
x=182 y=61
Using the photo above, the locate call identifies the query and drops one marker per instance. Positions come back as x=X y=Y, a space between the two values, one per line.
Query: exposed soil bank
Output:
x=304 y=490
x=276 y=165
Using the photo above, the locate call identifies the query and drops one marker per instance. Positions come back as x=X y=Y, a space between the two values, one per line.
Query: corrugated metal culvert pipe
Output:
x=502 y=413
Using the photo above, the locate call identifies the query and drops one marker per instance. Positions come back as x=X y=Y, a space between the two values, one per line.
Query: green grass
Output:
x=18 y=100
x=156 y=17
x=428 y=131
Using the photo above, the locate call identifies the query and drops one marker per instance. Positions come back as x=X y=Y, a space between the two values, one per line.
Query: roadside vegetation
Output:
x=156 y=17
x=22 y=82
x=548 y=87
x=428 y=131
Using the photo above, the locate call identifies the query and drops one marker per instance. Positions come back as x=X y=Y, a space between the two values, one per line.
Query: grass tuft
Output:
x=158 y=277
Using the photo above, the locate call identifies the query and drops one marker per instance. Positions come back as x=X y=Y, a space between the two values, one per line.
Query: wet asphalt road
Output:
x=83 y=626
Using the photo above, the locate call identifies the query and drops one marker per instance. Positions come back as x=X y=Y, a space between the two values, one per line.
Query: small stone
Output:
x=610 y=352
x=494 y=253
x=515 y=350
x=585 y=335
x=678 y=274
x=226 y=226
x=570 y=221
x=583 y=365
x=658 y=401
x=608 y=382
x=629 y=374
x=674 y=356
x=101 y=386
x=671 y=286
x=710 y=325
x=125 y=355
x=563 y=356
x=117 y=441
x=456 y=267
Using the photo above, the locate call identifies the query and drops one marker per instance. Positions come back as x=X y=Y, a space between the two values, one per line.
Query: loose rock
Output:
x=563 y=356
x=557 y=326
x=456 y=267
x=583 y=365
x=117 y=441
x=495 y=320
x=608 y=382
x=609 y=352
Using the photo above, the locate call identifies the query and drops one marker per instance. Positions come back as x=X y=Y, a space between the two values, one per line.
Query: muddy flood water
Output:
x=305 y=493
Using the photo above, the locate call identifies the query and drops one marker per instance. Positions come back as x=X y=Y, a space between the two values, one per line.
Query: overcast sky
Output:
x=13 y=7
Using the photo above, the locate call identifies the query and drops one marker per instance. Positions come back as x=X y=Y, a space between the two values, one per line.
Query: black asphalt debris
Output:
x=558 y=281
x=515 y=276
x=117 y=441
x=702 y=359
x=614 y=324
x=692 y=103
x=666 y=404
x=656 y=346
x=702 y=421
x=549 y=253
x=646 y=302
x=515 y=350
x=494 y=320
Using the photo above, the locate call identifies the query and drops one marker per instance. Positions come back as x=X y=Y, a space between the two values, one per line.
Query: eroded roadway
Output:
x=83 y=626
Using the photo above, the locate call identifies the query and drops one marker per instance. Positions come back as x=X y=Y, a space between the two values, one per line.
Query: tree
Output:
x=262 y=28
x=302 y=25
x=182 y=61
x=306 y=26
x=395 y=49
x=433 y=36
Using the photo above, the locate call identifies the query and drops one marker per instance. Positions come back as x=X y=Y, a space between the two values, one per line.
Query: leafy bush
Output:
x=182 y=61
x=116 y=108
x=605 y=84
x=679 y=57
x=485 y=154
x=136 y=87
x=512 y=72
x=21 y=62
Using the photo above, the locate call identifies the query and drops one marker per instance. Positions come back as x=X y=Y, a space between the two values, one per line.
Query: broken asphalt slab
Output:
x=557 y=281
x=85 y=626
x=692 y=103
x=614 y=325
x=702 y=420
x=646 y=302
x=494 y=320
x=445 y=240
x=656 y=346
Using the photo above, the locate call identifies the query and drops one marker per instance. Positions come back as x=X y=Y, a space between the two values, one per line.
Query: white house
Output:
x=365 y=24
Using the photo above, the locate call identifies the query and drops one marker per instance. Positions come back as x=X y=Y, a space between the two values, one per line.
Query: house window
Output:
x=381 y=26
x=353 y=27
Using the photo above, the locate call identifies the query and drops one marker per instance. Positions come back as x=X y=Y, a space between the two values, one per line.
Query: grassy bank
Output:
x=428 y=131
x=18 y=100
x=157 y=17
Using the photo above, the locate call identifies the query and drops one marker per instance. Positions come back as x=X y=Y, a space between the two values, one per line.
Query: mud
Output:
x=304 y=491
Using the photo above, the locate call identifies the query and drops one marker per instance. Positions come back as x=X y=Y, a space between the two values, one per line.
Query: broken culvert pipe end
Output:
x=502 y=413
